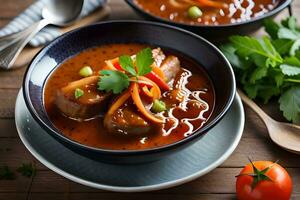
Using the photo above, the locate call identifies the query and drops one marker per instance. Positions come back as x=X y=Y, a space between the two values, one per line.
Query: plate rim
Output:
x=155 y=187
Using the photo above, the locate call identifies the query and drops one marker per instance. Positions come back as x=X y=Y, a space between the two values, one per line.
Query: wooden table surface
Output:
x=218 y=184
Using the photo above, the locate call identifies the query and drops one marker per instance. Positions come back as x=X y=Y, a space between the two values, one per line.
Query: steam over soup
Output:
x=208 y=12
x=128 y=96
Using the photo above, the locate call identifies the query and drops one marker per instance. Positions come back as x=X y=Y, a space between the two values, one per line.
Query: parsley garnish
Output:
x=144 y=60
x=127 y=64
x=27 y=169
x=270 y=66
x=117 y=81
x=6 y=173
x=114 y=81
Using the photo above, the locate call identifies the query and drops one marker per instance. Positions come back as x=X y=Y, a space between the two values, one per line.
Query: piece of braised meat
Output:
x=170 y=67
x=91 y=104
x=126 y=121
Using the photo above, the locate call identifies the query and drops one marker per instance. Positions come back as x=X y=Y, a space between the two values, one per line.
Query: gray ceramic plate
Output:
x=202 y=157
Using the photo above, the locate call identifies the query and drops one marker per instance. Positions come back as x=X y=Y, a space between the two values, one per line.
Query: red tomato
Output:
x=269 y=182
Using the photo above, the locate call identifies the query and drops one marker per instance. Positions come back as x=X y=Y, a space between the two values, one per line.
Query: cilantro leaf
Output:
x=292 y=61
x=266 y=92
x=127 y=64
x=248 y=45
x=27 y=169
x=113 y=81
x=251 y=90
x=290 y=70
x=258 y=74
x=290 y=104
x=295 y=47
x=271 y=28
x=236 y=61
x=285 y=33
x=290 y=23
x=144 y=60
x=283 y=46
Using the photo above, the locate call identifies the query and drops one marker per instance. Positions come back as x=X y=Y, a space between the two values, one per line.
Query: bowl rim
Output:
x=58 y=134
x=272 y=12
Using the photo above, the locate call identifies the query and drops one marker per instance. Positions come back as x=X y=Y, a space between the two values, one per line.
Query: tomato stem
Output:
x=258 y=175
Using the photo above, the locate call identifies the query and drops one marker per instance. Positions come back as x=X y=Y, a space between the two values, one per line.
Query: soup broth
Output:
x=234 y=11
x=190 y=102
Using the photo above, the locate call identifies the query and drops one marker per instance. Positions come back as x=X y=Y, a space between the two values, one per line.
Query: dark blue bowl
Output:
x=217 y=33
x=154 y=34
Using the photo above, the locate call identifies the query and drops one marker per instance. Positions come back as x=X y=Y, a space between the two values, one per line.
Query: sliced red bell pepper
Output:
x=155 y=78
x=118 y=66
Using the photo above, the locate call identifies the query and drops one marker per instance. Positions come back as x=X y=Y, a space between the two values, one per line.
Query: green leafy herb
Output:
x=269 y=67
x=117 y=81
x=290 y=103
x=127 y=64
x=113 y=81
x=144 y=60
x=290 y=70
x=6 y=173
x=27 y=169
x=246 y=46
x=78 y=93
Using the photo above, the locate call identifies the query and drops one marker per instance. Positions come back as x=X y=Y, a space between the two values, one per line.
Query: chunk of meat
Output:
x=126 y=121
x=158 y=56
x=170 y=67
x=91 y=104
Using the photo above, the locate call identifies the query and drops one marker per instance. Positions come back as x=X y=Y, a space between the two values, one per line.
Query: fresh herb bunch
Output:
x=270 y=66
x=117 y=81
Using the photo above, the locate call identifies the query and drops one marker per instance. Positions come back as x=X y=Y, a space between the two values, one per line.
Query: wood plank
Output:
x=46 y=181
x=118 y=196
x=13 y=196
x=12 y=78
x=13 y=153
x=8 y=128
x=20 y=185
x=114 y=196
x=10 y=9
x=7 y=103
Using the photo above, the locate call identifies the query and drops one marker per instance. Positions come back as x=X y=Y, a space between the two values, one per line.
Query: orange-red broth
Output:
x=92 y=133
x=236 y=11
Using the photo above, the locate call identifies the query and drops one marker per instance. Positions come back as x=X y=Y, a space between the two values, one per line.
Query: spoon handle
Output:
x=266 y=118
x=12 y=45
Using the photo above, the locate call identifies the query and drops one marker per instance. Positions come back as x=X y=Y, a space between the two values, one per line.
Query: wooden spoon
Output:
x=286 y=135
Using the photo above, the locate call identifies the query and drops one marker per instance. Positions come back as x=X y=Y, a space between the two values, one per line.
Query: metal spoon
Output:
x=286 y=135
x=56 y=12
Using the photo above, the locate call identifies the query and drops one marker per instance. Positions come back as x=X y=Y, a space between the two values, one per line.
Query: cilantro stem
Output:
x=292 y=80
